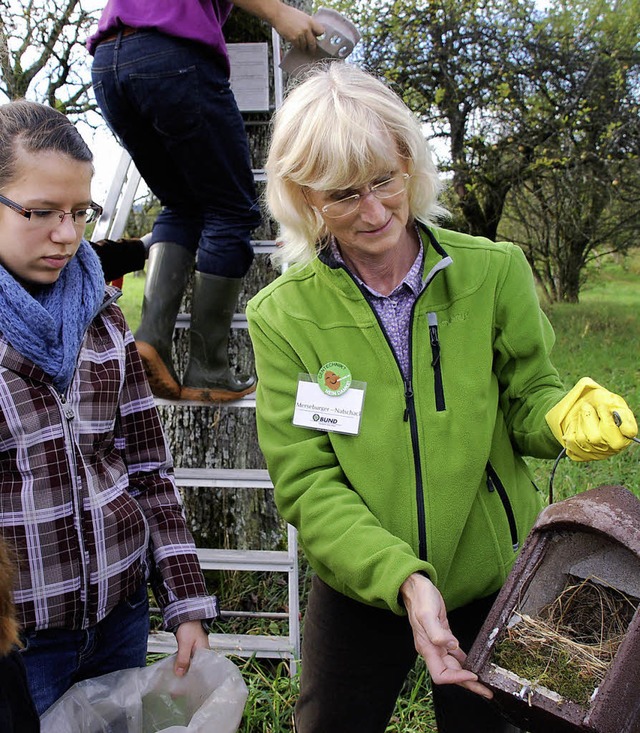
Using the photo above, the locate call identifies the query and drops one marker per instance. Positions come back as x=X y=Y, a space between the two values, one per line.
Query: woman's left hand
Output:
x=190 y=636
x=433 y=638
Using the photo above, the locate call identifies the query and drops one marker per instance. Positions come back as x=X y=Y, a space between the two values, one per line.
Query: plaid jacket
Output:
x=87 y=494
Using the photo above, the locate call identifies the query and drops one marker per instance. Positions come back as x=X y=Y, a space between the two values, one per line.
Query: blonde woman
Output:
x=406 y=482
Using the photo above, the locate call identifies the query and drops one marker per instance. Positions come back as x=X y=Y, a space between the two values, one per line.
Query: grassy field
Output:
x=599 y=338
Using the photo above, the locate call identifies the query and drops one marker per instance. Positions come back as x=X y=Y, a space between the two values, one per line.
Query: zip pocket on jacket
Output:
x=494 y=484
x=432 y=319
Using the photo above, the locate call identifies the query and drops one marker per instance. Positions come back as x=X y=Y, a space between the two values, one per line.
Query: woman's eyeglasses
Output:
x=54 y=217
x=390 y=187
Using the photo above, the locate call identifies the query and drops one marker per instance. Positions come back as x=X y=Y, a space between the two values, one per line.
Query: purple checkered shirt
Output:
x=394 y=310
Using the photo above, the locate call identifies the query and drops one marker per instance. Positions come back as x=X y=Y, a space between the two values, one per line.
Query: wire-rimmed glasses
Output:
x=390 y=187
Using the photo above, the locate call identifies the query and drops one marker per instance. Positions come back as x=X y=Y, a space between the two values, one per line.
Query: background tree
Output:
x=144 y=211
x=42 y=53
x=578 y=198
x=519 y=94
x=451 y=61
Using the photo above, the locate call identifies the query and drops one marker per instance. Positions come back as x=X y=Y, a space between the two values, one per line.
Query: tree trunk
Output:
x=222 y=436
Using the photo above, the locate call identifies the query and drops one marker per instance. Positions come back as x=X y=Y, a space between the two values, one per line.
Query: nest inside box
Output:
x=568 y=646
x=560 y=647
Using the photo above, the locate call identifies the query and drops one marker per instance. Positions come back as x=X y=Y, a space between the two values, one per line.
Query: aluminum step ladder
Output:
x=277 y=561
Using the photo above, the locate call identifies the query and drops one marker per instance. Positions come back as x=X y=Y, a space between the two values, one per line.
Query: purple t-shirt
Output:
x=195 y=20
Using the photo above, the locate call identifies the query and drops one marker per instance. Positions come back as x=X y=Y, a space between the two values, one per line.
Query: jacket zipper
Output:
x=409 y=416
x=410 y=410
x=68 y=415
x=494 y=484
x=438 y=387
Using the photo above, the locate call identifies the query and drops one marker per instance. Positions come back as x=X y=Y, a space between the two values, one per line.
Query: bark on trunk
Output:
x=224 y=437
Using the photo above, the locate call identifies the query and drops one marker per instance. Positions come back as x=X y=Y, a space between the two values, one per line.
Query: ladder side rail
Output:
x=278 y=82
x=120 y=220
x=110 y=205
x=294 y=597
x=113 y=194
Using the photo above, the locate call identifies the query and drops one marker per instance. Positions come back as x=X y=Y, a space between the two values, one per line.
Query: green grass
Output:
x=272 y=695
x=414 y=709
x=599 y=338
x=131 y=298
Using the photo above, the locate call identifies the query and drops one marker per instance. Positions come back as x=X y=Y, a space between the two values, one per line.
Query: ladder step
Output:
x=239 y=320
x=274 y=615
x=257 y=560
x=248 y=400
x=228 y=613
x=243 y=478
x=264 y=246
x=242 y=645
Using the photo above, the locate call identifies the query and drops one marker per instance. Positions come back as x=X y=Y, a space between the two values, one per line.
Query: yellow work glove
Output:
x=583 y=422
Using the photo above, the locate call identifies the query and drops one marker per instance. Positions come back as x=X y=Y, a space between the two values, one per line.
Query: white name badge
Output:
x=334 y=414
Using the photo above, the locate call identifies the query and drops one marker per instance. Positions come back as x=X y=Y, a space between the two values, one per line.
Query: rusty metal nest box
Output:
x=593 y=536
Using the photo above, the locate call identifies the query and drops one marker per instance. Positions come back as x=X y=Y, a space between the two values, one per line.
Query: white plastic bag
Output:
x=210 y=698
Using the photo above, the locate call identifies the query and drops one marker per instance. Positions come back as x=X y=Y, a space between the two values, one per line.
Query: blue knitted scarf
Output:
x=48 y=326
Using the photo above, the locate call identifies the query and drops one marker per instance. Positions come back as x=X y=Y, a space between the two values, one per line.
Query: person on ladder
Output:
x=161 y=79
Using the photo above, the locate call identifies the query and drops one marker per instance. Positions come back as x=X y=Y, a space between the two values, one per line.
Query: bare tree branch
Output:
x=42 y=53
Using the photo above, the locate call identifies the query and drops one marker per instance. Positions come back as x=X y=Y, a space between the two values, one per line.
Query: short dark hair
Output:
x=36 y=127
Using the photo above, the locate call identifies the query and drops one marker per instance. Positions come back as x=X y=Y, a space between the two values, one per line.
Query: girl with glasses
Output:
x=88 y=503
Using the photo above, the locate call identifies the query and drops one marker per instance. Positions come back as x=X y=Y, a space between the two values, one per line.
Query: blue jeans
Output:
x=55 y=659
x=169 y=102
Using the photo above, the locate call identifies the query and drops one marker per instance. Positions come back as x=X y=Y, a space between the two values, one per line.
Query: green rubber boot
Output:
x=208 y=377
x=168 y=270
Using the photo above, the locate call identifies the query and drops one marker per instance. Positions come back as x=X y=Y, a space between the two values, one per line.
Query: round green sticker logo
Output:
x=334 y=378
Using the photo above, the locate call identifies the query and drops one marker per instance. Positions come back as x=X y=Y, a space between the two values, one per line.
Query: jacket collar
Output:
x=435 y=256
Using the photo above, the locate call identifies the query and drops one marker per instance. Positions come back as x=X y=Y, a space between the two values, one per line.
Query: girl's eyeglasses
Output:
x=53 y=217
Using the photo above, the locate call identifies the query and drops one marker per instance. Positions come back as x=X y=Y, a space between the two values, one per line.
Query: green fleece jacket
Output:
x=434 y=481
